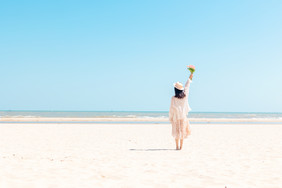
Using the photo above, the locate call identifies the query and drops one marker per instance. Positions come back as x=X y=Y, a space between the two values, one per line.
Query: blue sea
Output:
x=137 y=114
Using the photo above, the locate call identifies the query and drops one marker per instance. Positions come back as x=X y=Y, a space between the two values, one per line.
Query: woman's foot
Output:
x=181 y=143
x=177 y=144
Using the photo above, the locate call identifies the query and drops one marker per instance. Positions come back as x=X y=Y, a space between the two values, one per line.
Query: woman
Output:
x=178 y=112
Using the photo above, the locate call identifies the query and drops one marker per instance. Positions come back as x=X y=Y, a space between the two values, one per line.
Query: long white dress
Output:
x=178 y=112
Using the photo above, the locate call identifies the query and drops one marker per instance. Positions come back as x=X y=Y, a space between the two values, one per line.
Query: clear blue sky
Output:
x=125 y=55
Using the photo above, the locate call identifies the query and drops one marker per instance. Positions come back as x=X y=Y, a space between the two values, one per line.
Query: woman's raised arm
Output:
x=187 y=85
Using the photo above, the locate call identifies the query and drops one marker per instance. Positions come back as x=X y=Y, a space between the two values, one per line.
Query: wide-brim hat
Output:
x=178 y=86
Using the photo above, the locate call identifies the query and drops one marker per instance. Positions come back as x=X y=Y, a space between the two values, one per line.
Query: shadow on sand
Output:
x=153 y=150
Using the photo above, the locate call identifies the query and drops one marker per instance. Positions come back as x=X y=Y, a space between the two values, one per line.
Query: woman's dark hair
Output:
x=179 y=93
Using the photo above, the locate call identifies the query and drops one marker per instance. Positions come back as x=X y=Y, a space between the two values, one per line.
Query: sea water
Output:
x=136 y=114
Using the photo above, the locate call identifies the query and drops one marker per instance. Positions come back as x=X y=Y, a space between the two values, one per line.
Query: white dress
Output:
x=178 y=112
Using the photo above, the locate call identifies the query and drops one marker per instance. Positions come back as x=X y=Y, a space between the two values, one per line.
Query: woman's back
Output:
x=179 y=107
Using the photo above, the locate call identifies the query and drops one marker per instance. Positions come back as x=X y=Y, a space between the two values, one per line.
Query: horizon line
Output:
x=130 y=111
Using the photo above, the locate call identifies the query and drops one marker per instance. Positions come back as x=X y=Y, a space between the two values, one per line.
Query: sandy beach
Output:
x=139 y=155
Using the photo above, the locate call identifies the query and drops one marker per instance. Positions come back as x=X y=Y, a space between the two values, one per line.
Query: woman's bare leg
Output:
x=181 y=143
x=176 y=142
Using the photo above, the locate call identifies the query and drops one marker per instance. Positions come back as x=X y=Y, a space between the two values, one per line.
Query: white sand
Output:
x=142 y=155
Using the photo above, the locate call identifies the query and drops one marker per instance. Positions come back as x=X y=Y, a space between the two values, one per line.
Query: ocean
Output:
x=136 y=114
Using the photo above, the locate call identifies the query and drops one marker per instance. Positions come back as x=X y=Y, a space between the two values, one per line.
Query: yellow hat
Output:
x=178 y=86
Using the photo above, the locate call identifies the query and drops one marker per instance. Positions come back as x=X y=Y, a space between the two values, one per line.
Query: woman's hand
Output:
x=191 y=76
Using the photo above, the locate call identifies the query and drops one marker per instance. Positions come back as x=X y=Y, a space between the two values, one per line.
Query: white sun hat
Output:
x=178 y=86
